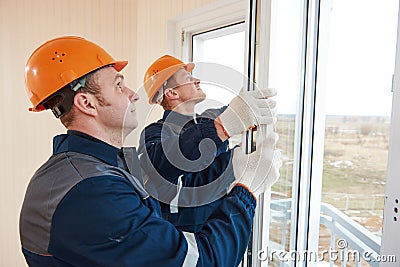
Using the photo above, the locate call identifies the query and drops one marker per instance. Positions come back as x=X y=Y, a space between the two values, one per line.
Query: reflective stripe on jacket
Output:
x=186 y=152
x=83 y=208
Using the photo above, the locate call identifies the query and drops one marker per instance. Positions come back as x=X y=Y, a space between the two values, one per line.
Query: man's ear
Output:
x=86 y=103
x=171 y=94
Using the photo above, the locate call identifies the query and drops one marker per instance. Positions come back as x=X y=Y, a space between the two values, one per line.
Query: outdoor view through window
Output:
x=356 y=54
x=360 y=63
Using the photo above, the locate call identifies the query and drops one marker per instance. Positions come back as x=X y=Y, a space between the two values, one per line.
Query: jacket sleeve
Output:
x=171 y=154
x=103 y=222
x=160 y=143
x=188 y=141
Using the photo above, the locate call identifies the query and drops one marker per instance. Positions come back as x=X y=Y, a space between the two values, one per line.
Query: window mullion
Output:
x=308 y=221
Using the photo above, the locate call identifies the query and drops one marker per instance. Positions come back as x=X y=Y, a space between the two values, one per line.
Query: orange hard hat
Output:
x=160 y=71
x=59 y=62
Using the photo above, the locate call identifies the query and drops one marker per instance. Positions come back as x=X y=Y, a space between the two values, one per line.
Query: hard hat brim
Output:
x=119 y=65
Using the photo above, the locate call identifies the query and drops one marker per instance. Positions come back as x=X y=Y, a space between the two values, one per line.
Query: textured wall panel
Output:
x=127 y=29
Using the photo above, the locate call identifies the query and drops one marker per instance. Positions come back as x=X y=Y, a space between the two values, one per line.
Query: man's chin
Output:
x=129 y=126
x=200 y=99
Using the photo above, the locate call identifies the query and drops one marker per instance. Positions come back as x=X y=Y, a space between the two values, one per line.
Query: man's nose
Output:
x=133 y=96
x=195 y=80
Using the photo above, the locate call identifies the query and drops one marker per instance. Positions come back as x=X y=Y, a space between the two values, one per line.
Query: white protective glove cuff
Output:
x=249 y=109
x=259 y=170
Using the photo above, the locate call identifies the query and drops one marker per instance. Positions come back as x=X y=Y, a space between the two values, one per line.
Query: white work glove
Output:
x=249 y=109
x=258 y=170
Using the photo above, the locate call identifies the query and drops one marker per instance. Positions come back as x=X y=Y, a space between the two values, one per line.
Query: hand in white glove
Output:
x=258 y=170
x=249 y=109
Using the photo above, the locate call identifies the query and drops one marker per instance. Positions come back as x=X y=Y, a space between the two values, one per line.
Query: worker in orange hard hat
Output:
x=160 y=71
x=191 y=150
x=86 y=205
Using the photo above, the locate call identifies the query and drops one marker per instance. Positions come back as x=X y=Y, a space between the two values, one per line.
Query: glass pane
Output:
x=285 y=75
x=356 y=63
x=225 y=46
x=219 y=55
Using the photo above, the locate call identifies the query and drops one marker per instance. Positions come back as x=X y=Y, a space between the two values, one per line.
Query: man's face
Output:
x=118 y=111
x=188 y=87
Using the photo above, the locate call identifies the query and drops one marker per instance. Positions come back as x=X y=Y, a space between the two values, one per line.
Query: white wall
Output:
x=127 y=29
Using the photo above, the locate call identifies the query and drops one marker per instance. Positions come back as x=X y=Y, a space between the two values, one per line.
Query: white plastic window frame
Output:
x=215 y=15
x=310 y=129
x=309 y=138
x=202 y=36
x=180 y=32
x=312 y=143
x=305 y=215
x=391 y=218
x=313 y=128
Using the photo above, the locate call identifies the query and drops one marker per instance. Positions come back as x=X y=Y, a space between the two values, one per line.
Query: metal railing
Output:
x=356 y=242
x=363 y=244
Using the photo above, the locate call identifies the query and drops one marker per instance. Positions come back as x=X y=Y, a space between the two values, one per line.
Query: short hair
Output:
x=164 y=103
x=91 y=87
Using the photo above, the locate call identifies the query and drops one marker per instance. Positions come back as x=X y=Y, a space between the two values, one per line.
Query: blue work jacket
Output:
x=86 y=207
x=187 y=152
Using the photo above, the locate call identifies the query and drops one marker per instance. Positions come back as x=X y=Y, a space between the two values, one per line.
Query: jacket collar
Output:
x=75 y=141
x=178 y=118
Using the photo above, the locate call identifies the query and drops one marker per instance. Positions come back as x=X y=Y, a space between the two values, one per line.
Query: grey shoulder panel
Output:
x=45 y=190
x=48 y=187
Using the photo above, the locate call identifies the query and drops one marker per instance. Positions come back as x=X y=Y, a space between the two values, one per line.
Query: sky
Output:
x=361 y=43
x=357 y=44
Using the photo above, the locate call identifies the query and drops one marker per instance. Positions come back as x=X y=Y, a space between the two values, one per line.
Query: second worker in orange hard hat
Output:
x=186 y=154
